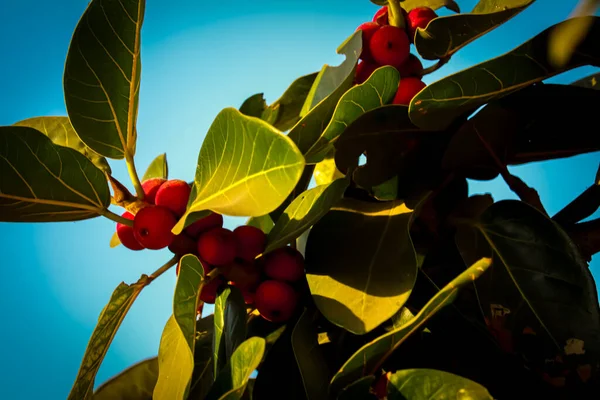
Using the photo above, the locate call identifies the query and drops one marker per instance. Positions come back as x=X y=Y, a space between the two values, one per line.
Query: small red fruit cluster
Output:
x=384 y=44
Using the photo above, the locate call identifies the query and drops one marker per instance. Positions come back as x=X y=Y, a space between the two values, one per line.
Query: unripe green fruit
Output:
x=217 y=246
x=152 y=227
x=126 y=236
x=276 y=301
x=251 y=242
x=150 y=187
x=284 y=264
x=213 y=220
x=389 y=46
x=407 y=89
x=174 y=195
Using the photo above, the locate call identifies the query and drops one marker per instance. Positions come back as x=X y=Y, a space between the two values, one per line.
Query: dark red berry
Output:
x=408 y=88
x=364 y=69
x=411 y=67
x=276 y=301
x=242 y=274
x=251 y=242
x=125 y=234
x=152 y=227
x=217 y=246
x=213 y=220
x=174 y=195
x=419 y=18
x=368 y=30
x=210 y=290
x=389 y=46
x=284 y=264
x=183 y=244
x=150 y=187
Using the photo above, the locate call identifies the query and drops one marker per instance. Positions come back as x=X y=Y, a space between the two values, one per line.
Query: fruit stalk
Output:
x=168 y=265
x=135 y=179
x=431 y=69
x=395 y=16
x=117 y=218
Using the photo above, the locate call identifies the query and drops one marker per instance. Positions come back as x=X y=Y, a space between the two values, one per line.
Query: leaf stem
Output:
x=117 y=218
x=395 y=16
x=586 y=236
x=432 y=68
x=164 y=268
x=135 y=179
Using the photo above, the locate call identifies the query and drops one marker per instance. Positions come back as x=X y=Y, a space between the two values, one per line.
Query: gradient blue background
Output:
x=198 y=57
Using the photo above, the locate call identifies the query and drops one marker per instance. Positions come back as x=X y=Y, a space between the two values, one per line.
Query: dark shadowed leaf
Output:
x=582 y=207
x=305 y=211
x=378 y=90
x=388 y=190
x=590 y=82
x=254 y=105
x=158 y=168
x=444 y=36
x=325 y=171
x=245 y=168
x=311 y=361
x=135 y=383
x=44 y=182
x=232 y=380
x=264 y=223
x=108 y=323
x=360 y=263
x=368 y=358
x=61 y=132
x=203 y=377
x=430 y=384
x=230 y=325
x=359 y=390
x=433 y=4
x=540 y=284
x=300 y=187
x=176 y=351
x=102 y=76
x=114 y=240
x=437 y=106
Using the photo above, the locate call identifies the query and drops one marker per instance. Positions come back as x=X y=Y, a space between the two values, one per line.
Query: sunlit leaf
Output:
x=158 y=168
x=254 y=105
x=230 y=325
x=114 y=240
x=326 y=171
x=430 y=384
x=135 y=383
x=264 y=223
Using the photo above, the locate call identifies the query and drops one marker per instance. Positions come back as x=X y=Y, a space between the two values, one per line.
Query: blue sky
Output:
x=198 y=57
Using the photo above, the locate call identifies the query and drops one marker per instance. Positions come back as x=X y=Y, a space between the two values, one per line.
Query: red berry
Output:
x=174 y=195
x=275 y=301
x=411 y=67
x=248 y=297
x=152 y=227
x=125 y=234
x=242 y=274
x=284 y=264
x=150 y=187
x=364 y=69
x=368 y=30
x=183 y=244
x=217 y=246
x=251 y=242
x=381 y=16
x=209 y=291
x=380 y=387
x=408 y=88
x=390 y=46
x=213 y=220
x=419 y=18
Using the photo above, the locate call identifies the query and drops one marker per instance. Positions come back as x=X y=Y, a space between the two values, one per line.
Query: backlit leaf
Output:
x=360 y=263
x=102 y=76
x=44 y=182
x=245 y=168
x=264 y=223
x=437 y=106
x=176 y=351
x=304 y=212
x=433 y=4
x=158 y=168
x=114 y=240
x=326 y=171
x=359 y=390
x=368 y=358
x=230 y=325
x=135 y=383
x=430 y=384
x=254 y=105
x=444 y=36
x=61 y=132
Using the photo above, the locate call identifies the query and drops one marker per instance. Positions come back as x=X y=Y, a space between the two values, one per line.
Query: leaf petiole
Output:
x=117 y=218
x=395 y=14
x=135 y=179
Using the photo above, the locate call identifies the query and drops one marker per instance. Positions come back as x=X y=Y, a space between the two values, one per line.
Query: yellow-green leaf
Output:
x=158 y=168
x=114 y=240
x=433 y=4
x=431 y=384
x=135 y=383
x=264 y=223
x=326 y=171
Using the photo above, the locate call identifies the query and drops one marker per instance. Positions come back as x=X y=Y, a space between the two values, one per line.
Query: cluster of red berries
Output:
x=384 y=44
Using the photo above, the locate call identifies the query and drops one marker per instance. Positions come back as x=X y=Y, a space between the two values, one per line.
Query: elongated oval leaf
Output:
x=326 y=171
x=444 y=36
x=135 y=383
x=232 y=381
x=359 y=390
x=305 y=211
x=430 y=384
x=230 y=325
x=436 y=106
x=102 y=76
x=245 y=168
x=176 y=351
x=361 y=264
x=264 y=223
x=254 y=106
x=108 y=323
x=367 y=359
x=158 y=168
x=61 y=132
x=43 y=182
x=378 y=90
x=203 y=376
x=114 y=240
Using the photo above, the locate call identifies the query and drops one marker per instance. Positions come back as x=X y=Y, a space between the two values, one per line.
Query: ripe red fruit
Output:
x=183 y=244
x=419 y=18
x=251 y=242
x=150 y=187
x=209 y=291
x=389 y=46
x=380 y=387
x=174 y=195
x=217 y=246
x=275 y=301
x=381 y=16
x=364 y=69
x=411 y=67
x=152 y=227
x=284 y=264
x=408 y=88
x=242 y=274
x=368 y=30
x=125 y=234
x=213 y=220
x=248 y=297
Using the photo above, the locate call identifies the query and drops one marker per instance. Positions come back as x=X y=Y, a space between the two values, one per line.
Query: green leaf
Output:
x=378 y=90
x=430 y=384
x=135 y=383
x=264 y=223
x=326 y=171
x=369 y=357
x=444 y=36
x=176 y=351
x=44 y=182
x=590 y=82
x=305 y=211
x=61 y=132
x=254 y=105
x=359 y=390
x=245 y=168
x=309 y=356
x=114 y=240
x=232 y=380
x=108 y=323
x=388 y=190
x=360 y=263
x=230 y=325
x=102 y=76
x=158 y=168
x=203 y=377
x=433 y=4
x=440 y=103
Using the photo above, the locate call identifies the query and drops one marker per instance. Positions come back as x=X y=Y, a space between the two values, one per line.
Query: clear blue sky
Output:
x=198 y=57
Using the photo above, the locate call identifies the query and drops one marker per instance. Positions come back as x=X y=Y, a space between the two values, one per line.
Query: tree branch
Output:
x=586 y=236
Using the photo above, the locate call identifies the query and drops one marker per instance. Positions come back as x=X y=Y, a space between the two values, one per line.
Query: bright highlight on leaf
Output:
x=430 y=384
